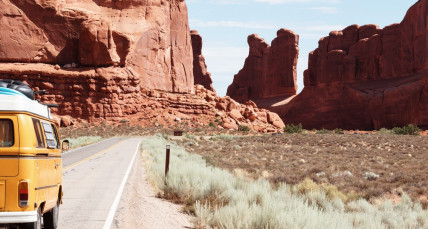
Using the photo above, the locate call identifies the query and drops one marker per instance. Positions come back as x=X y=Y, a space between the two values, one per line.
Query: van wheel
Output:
x=50 y=219
x=37 y=224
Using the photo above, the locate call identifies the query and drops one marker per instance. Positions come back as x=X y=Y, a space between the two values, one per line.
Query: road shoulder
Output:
x=139 y=208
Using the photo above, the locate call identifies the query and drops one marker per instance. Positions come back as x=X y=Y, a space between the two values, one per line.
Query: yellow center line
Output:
x=92 y=156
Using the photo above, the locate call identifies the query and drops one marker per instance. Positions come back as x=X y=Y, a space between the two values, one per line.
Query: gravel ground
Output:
x=139 y=207
x=370 y=165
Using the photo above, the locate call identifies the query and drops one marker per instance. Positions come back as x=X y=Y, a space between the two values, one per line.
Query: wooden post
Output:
x=167 y=161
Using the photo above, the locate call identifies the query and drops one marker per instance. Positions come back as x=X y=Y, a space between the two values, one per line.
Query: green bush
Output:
x=124 y=121
x=243 y=128
x=212 y=124
x=323 y=131
x=338 y=131
x=385 y=131
x=293 y=129
x=407 y=130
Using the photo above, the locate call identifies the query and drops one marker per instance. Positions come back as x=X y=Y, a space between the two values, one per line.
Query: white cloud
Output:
x=232 y=24
x=225 y=59
x=222 y=2
x=268 y=26
x=325 y=9
x=273 y=2
x=224 y=62
x=324 y=28
x=296 y=1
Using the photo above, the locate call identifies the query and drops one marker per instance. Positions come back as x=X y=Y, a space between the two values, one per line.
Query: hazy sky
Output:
x=226 y=24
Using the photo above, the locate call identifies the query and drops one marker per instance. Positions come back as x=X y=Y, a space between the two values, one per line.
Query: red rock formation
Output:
x=367 y=78
x=202 y=76
x=111 y=94
x=269 y=73
x=150 y=39
x=234 y=114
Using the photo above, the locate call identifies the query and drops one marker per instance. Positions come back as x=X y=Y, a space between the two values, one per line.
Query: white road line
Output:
x=112 y=212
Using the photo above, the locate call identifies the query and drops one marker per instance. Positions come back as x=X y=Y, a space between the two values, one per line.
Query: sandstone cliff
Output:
x=202 y=76
x=110 y=94
x=364 y=77
x=148 y=40
x=269 y=73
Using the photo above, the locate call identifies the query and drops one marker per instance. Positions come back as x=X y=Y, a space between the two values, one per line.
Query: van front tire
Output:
x=35 y=225
x=50 y=219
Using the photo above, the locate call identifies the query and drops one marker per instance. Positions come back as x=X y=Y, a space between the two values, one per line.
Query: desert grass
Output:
x=83 y=141
x=221 y=200
x=374 y=166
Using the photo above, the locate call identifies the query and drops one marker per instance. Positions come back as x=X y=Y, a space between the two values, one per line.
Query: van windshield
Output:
x=6 y=133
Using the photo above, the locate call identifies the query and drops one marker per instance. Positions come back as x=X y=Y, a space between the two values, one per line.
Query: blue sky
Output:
x=225 y=25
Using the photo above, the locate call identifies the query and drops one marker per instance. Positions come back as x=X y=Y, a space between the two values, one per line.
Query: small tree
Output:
x=212 y=124
x=407 y=130
x=243 y=128
x=338 y=131
x=293 y=129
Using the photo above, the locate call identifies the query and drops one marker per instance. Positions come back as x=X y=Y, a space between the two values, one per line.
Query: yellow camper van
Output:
x=30 y=160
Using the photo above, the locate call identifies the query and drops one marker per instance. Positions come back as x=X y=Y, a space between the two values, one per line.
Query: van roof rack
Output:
x=18 y=96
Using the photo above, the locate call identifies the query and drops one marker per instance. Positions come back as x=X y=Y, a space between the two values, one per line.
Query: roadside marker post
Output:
x=167 y=161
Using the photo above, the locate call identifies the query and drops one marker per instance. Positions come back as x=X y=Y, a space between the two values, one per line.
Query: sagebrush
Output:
x=221 y=200
x=83 y=141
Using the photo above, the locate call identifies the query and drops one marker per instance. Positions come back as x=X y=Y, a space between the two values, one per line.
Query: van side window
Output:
x=56 y=136
x=39 y=136
x=6 y=133
x=49 y=134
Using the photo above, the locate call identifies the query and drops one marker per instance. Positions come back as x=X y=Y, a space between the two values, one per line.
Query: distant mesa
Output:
x=364 y=77
x=202 y=76
x=269 y=74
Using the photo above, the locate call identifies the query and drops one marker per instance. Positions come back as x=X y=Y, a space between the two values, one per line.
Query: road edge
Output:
x=112 y=212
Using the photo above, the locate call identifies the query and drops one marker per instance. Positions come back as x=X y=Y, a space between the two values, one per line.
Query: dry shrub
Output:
x=331 y=191
x=221 y=200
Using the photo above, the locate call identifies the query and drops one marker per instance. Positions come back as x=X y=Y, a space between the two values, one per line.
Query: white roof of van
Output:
x=11 y=100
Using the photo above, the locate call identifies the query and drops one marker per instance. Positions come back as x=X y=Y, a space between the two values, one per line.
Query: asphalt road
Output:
x=93 y=180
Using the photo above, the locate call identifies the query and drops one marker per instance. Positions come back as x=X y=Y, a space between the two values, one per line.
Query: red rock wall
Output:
x=367 y=78
x=89 y=94
x=269 y=71
x=202 y=76
x=150 y=37
x=114 y=94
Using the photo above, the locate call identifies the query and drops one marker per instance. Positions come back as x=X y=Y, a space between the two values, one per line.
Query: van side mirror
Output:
x=65 y=145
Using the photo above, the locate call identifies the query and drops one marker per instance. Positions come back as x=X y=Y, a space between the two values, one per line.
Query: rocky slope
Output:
x=269 y=73
x=110 y=94
x=364 y=77
x=148 y=40
x=202 y=76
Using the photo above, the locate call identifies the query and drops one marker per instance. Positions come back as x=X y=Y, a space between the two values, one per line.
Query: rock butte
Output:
x=269 y=74
x=364 y=77
x=202 y=76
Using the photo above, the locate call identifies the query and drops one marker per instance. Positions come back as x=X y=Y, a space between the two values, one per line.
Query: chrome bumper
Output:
x=18 y=217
